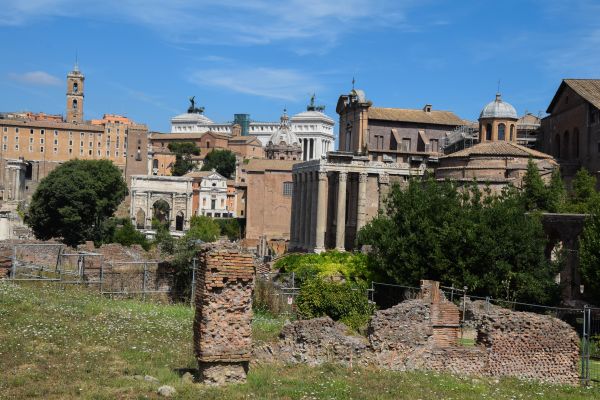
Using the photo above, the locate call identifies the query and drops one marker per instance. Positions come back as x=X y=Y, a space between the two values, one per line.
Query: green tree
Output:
x=74 y=200
x=583 y=197
x=557 y=195
x=589 y=255
x=222 y=161
x=183 y=157
x=128 y=235
x=485 y=241
x=163 y=239
x=203 y=228
x=229 y=227
x=535 y=192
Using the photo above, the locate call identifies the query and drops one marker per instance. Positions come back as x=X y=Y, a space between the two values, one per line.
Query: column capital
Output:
x=342 y=176
x=384 y=178
x=362 y=177
x=322 y=175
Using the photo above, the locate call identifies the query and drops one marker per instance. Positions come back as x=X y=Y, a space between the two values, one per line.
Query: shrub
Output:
x=346 y=302
x=350 y=266
x=128 y=235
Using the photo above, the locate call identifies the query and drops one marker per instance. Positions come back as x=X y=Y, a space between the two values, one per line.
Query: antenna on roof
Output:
x=76 y=67
x=353 y=81
x=498 y=86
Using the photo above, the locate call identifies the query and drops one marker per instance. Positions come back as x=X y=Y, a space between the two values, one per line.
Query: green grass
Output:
x=67 y=344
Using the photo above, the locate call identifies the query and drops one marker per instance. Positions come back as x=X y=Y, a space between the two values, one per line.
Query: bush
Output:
x=350 y=266
x=203 y=228
x=346 y=302
x=128 y=235
x=229 y=227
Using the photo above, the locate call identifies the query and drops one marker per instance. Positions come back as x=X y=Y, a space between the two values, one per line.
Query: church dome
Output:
x=284 y=134
x=499 y=109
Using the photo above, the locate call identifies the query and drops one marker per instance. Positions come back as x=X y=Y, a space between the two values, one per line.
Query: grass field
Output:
x=71 y=344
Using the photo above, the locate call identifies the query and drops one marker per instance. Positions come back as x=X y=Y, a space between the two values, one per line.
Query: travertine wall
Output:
x=222 y=324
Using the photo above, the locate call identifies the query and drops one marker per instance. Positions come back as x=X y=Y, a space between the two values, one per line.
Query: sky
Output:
x=145 y=58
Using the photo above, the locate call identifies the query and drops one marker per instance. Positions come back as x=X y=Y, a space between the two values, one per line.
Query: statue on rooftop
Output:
x=193 y=109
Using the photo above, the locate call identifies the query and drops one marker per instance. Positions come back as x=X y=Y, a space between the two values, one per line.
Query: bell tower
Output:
x=75 y=95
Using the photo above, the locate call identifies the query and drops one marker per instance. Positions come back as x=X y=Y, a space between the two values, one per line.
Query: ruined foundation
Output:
x=222 y=324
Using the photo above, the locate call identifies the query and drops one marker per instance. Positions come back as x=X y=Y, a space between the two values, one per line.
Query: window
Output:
x=204 y=199
x=81 y=134
x=55 y=141
x=70 y=151
x=91 y=135
x=434 y=145
x=30 y=149
x=41 y=140
x=213 y=204
x=107 y=153
x=31 y=131
x=56 y=133
x=70 y=143
x=406 y=144
x=4 y=147
x=89 y=152
x=41 y=149
x=30 y=140
x=501 y=132
x=116 y=154
x=55 y=150
x=81 y=144
x=5 y=129
x=5 y=138
x=80 y=152
x=17 y=139
x=288 y=188
x=75 y=104
x=512 y=133
x=91 y=144
x=488 y=132
x=16 y=130
x=75 y=87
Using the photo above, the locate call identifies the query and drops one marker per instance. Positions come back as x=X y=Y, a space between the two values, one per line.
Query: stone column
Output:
x=384 y=188
x=302 y=210
x=148 y=224
x=340 y=233
x=294 y=211
x=361 y=214
x=309 y=210
x=314 y=208
x=321 y=212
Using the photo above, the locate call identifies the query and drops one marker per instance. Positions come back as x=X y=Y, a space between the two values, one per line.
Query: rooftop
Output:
x=499 y=149
x=413 y=115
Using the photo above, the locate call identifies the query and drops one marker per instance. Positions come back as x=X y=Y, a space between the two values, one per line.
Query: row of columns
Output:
x=310 y=204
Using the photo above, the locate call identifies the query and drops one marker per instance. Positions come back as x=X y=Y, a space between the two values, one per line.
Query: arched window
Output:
x=179 y=221
x=557 y=146
x=75 y=87
x=512 y=133
x=75 y=103
x=501 y=132
x=575 y=143
x=488 y=132
x=565 y=146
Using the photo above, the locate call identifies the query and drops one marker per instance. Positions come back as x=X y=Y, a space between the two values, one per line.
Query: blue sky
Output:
x=145 y=58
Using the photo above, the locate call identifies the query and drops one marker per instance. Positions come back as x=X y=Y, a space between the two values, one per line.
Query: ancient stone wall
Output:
x=423 y=334
x=222 y=324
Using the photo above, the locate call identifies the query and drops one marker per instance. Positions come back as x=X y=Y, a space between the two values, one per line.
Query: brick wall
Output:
x=222 y=324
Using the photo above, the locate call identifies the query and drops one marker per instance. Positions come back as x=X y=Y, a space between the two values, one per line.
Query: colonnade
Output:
x=310 y=205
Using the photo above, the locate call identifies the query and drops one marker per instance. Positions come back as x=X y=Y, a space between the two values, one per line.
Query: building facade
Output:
x=571 y=131
x=210 y=194
x=313 y=128
x=337 y=195
x=497 y=160
x=41 y=143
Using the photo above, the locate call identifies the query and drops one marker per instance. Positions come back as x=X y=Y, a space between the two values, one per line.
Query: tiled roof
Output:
x=174 y=136
x=244 y=139
x=499 y=148
x=589 y=89
x=51 y=125
x=418 y=116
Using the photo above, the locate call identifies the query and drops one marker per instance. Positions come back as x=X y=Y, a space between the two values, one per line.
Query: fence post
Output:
x=193 y=294
x=144 y=281
x=101 y=277
x=464 y=303
x=14 y=263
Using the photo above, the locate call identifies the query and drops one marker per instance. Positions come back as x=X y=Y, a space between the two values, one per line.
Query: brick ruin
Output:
x=423 y=334
x=222 y=323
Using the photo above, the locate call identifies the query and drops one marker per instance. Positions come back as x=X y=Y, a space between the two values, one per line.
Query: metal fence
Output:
x=51 y=263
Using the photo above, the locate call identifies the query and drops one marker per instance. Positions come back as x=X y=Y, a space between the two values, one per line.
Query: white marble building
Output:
x=313 y=127
x=211 y=193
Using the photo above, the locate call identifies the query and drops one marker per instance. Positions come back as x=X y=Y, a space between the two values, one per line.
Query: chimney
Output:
x=427 y=108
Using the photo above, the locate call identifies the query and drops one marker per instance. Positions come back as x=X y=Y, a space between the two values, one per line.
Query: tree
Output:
x=433 y=230
x=230 y=227
x=74 y=200
x=535 y=192
x=557 y=193
x=203 y=228
x=128 y=235
x=183 y=157
x=584 y=196
x=222 y=161
x=589 y=255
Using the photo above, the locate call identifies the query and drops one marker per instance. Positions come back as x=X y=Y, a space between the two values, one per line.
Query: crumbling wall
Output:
x=423 y=334
x=529 y=345
x=222 y=323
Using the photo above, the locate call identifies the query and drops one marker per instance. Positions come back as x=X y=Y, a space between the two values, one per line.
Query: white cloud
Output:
x=227 y=21
x=39 y=78
x=284 y=84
